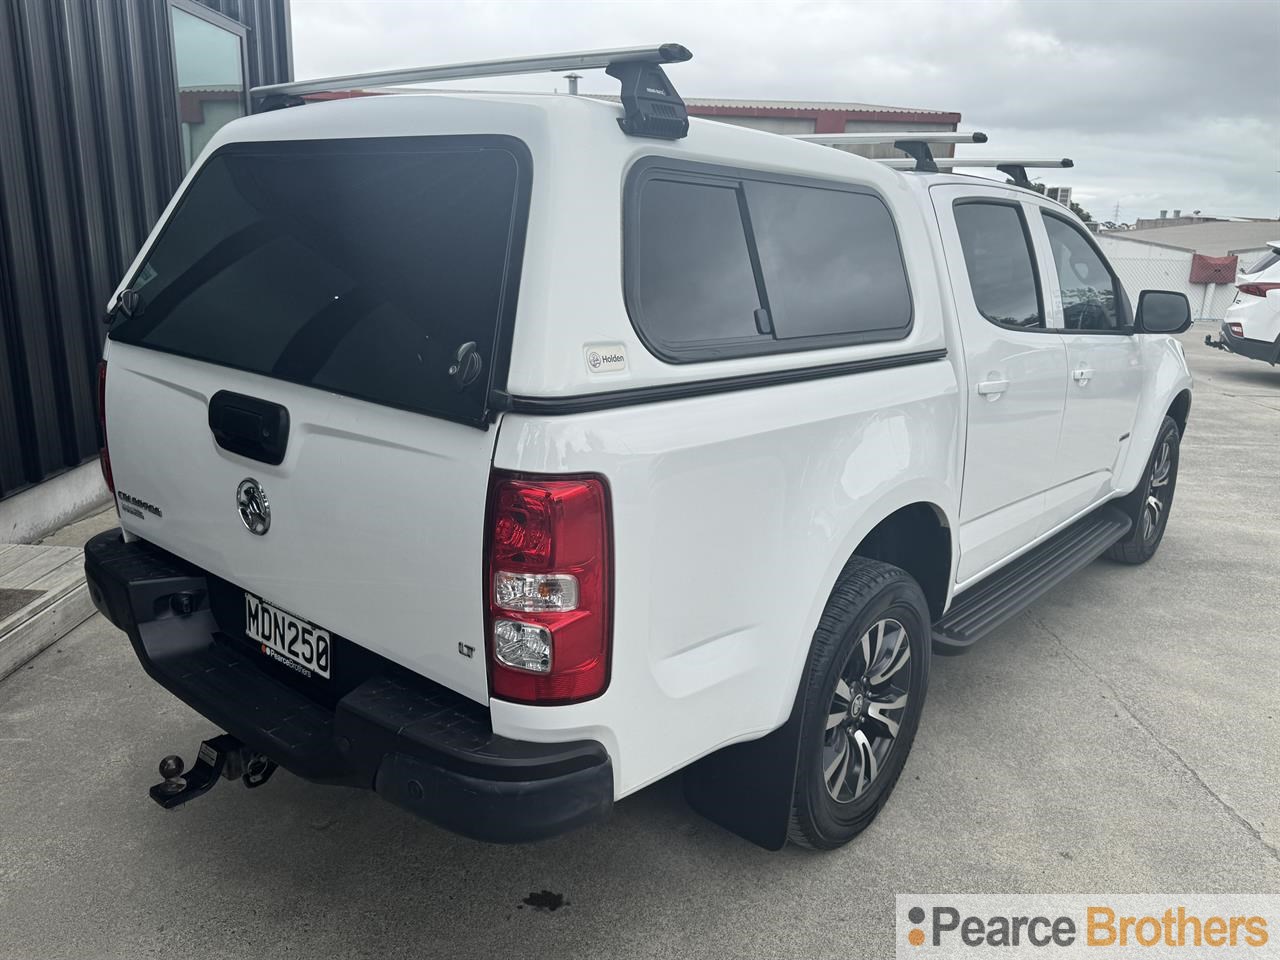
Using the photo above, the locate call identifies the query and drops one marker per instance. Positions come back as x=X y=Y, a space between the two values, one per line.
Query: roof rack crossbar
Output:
x=892 y=136
x=652 y=106
x=1015 y=170
x=915 y=144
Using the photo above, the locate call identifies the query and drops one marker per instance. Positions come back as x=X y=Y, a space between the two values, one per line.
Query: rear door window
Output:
x=359 y=266
x=998 y=259
x=723 y=263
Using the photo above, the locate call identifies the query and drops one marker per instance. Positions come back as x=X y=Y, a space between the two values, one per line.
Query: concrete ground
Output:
x=1123 y=735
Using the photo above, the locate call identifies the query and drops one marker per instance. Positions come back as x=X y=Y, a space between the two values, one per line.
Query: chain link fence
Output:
x=1208 y=301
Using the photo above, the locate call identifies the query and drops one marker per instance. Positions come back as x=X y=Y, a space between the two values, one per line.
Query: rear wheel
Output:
x=1149 y=504
x=864 y=687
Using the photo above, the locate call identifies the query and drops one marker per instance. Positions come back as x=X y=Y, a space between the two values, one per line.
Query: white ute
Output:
x=507 y=453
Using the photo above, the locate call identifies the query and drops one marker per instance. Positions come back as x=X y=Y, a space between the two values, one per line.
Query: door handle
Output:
x=992 y=388
x=1082 y=376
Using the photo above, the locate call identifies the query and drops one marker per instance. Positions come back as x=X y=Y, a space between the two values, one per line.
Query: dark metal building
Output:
x=103 y=104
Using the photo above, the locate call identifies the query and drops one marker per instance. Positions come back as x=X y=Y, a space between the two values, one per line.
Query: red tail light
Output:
x=104 y=456
x=549 y=587
x=1257 y=289
x=1237 y=329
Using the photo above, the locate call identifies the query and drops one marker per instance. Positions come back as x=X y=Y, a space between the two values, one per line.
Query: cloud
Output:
x=1162 y=105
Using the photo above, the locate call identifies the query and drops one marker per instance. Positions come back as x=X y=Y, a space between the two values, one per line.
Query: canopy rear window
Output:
x=356 y=266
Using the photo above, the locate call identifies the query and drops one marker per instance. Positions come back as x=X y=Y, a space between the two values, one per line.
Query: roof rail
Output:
x=652 y=106
x=1015 y=170
x=914 y=143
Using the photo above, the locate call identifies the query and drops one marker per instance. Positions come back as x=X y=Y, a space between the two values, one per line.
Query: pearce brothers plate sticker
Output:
x=1103 y=926
x=605 y=357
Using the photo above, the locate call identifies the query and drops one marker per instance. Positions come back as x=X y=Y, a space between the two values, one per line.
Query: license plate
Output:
x=292 y=641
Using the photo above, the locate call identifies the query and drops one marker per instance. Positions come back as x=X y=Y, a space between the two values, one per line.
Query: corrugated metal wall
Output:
x=89 y=155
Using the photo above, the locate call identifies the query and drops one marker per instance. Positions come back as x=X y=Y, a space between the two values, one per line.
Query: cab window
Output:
x=1092 y=298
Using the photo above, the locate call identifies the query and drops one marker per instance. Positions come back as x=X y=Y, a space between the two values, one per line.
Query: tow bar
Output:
x=224 y=756
x=1216 y=344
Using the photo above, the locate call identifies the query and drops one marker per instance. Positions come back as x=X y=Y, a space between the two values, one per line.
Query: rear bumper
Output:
x=1253 y=349
x=419 y=745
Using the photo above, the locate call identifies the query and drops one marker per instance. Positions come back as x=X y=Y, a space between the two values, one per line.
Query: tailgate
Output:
x=353 y=300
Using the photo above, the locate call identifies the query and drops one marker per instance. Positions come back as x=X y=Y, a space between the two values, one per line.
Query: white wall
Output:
x=1146 y=266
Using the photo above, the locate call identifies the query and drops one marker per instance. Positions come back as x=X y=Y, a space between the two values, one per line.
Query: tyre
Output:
x=864 y=688
x=1149 y=504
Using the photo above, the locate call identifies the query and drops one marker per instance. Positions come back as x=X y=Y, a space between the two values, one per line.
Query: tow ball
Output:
x=1216 y=344
x=224 y=756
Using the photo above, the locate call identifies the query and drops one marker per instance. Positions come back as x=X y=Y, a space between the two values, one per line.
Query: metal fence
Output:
x=1208 y=301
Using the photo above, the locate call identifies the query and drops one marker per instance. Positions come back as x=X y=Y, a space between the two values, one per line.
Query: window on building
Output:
x=208 y=63
x=1091 y=295
x=998 y=258
x=723 y=265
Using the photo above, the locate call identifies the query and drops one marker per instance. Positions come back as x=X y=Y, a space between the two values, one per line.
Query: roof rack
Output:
x=1015 y=170
x=914 y=143
x=652 y=108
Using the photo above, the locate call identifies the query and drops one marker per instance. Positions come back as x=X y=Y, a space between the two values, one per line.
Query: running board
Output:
x=1010 y=590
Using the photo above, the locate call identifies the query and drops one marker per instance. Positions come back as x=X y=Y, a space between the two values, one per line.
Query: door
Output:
x=1103 y=363
x=1015 y=371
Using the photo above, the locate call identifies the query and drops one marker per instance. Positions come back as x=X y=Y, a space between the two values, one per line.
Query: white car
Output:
x=1251 y=327
x=505 y=454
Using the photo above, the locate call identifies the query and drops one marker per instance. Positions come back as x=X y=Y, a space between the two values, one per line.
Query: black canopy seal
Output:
x=653 y=108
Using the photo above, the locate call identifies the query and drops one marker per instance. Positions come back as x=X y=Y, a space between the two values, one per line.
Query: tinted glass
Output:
x=997 y=256
x=830 y=260
x=1089 y=296
x=360 y=269
x=693 y=281
x=211 y=82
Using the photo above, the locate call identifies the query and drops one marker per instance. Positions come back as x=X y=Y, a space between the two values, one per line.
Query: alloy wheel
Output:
x=867 y=707
x=1156 y=506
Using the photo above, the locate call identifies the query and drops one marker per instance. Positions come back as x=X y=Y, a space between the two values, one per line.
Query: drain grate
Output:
x=11 y=601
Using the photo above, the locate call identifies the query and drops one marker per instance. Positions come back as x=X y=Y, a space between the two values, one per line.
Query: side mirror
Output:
x=1162 y=311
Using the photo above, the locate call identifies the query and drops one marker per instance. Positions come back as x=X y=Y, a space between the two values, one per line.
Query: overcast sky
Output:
x=1161 y=104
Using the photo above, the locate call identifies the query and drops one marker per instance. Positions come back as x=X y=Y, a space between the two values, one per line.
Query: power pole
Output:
x=1116 y=216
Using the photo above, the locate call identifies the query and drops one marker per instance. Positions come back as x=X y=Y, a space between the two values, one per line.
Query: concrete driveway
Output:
x=1123 y=735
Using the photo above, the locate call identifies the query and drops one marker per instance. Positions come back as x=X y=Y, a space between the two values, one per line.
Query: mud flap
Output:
x=747 y=788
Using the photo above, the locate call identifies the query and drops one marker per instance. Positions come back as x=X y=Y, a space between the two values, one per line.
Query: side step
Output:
x=1010 y=590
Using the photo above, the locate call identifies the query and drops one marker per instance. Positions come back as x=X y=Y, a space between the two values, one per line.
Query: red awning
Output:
x=1213 y=269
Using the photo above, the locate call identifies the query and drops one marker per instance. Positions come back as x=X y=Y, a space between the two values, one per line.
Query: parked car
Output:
x=505 y=454
x=1251 y=327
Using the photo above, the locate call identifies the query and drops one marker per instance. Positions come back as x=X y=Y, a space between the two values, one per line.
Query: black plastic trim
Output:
x=589 y=402
x=994 y=600
x=416 y=743
x=248 y=426
x=1250 y=348
x=737 y=178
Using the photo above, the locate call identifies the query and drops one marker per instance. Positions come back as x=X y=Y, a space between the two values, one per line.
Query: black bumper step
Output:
x=1010 y=590
x=417 y=743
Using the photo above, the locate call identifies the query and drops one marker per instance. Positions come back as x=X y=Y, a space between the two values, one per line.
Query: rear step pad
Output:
x=1012 y=589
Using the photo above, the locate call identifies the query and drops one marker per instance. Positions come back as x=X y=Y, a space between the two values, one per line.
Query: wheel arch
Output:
x=1179 y=409
x=917 y=538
